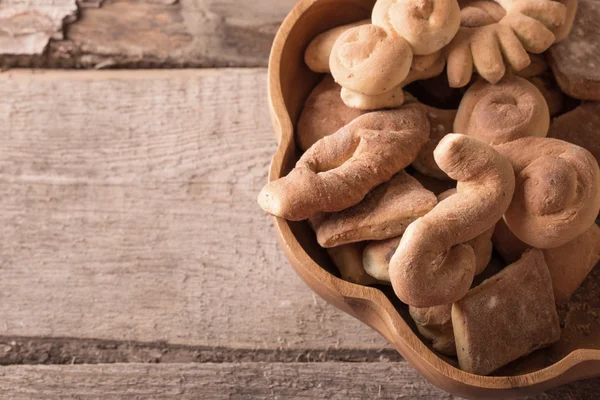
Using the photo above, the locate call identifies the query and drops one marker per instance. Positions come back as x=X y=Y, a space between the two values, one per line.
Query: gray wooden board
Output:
x=128 y=212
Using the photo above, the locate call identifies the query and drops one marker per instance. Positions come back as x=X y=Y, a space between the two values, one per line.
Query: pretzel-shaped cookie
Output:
x=511 y=109
x=526 y=27
x=558 y=191
x=431 y=265
x=339 y=170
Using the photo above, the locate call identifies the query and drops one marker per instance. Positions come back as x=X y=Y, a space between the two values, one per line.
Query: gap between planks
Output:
x=61 y=351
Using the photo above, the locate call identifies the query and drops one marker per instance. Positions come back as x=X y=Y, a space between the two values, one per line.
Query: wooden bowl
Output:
x=290 y=82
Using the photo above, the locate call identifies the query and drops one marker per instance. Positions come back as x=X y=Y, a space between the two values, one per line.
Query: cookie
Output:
x=508 y=316
x=324 y=113
x=384 y=213
x=576 y=60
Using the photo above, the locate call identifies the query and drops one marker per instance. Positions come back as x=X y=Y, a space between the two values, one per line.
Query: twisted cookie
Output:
x=558 y=191
x=512 y=109
x=339 y=170
x=431 y=265
x=485 y=46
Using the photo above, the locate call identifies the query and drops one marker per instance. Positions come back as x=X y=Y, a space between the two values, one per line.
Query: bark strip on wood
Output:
x=26 y=27
x=144 y=34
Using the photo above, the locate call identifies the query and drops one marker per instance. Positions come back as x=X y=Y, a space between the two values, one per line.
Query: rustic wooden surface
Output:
x=142 y=186
x=330 y=380
x=129 y=231
x=153 y=33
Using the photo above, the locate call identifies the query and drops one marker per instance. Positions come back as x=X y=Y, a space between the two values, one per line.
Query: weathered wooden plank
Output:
x=237 y=381
x=128 y=212
x=26 y=27
x=148 y=33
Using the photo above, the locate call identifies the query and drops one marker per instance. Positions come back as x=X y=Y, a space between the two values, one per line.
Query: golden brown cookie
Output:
x=348 y=260
x=324 y=113
x=428 y=25
x=576 y=60
x=339 y=170
x=508 y=316
x=432 y=266
x=512 y=109
x=482 y=244
x=384 y=213
x=486 y=47
x=361 y=50
x=557 y=196
x=423 y=67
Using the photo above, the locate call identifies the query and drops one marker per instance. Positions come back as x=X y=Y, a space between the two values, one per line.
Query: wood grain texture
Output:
x=128 y=212
x=26 y=27
x=236 y=381
x=148 y=33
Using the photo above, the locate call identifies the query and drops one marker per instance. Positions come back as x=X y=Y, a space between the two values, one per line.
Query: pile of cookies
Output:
x=499 y=161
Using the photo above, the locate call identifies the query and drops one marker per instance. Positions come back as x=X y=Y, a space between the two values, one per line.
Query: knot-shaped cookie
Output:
x=558 y=191
x=427 y=25
x=370 y=60
x=486 y=45
x=422 y=67
x=496 y=114
x=375 y=59
x=432 y=266
x=339 y=170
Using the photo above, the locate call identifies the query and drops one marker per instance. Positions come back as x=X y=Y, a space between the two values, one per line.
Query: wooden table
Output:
x=135 y=261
